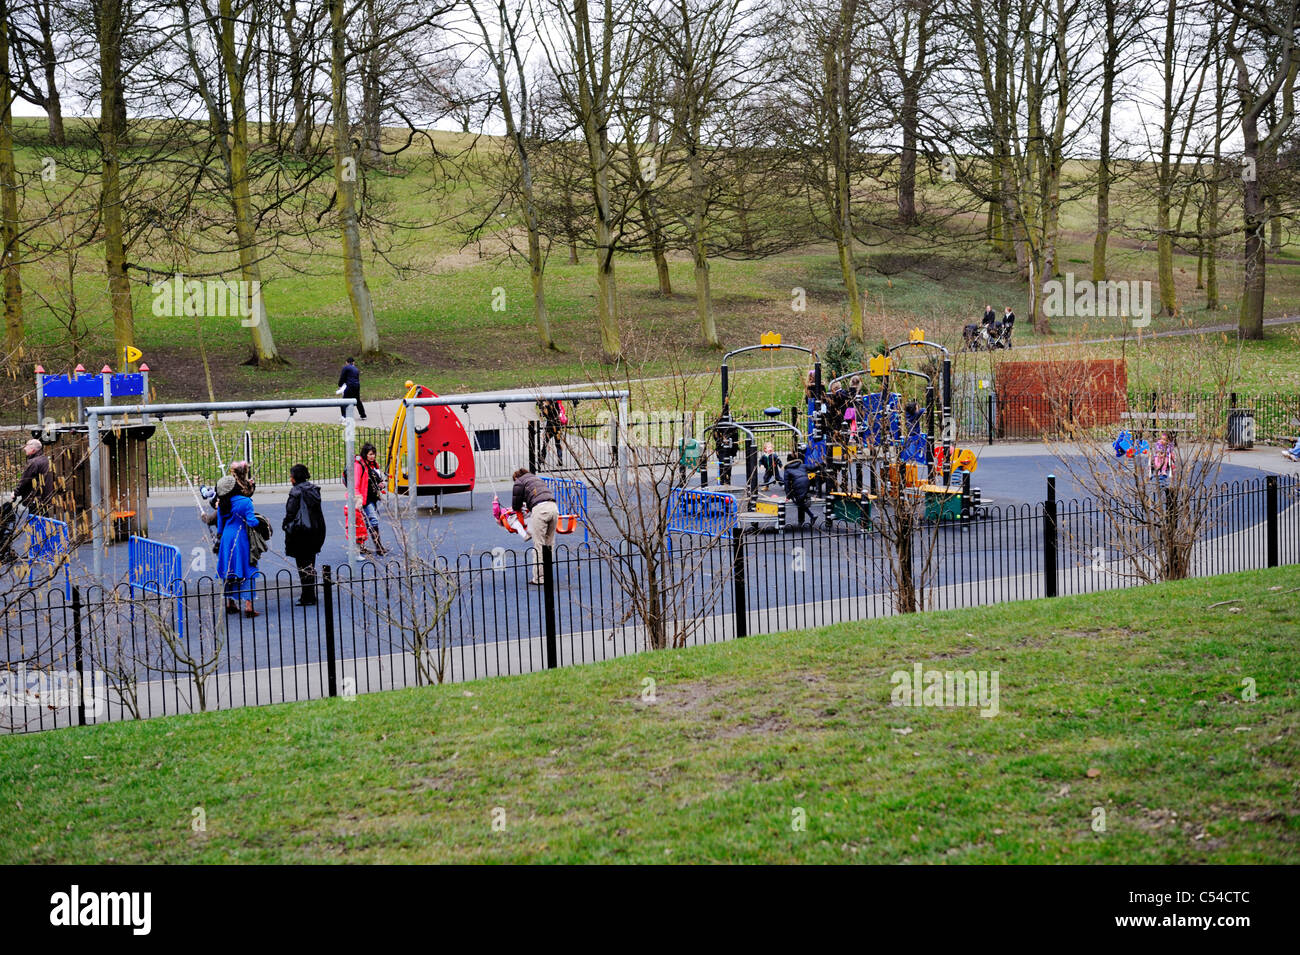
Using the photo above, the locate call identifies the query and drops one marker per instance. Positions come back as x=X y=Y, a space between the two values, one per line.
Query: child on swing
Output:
x=1164 y=459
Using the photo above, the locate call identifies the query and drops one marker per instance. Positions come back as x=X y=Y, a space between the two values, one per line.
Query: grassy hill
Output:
x=1129 y=703
x=434 y=295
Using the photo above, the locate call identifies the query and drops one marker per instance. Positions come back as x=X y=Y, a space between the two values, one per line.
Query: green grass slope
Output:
x=436 y=298
x=1130 y=703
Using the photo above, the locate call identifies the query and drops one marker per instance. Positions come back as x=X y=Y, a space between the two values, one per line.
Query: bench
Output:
x=1173 y=422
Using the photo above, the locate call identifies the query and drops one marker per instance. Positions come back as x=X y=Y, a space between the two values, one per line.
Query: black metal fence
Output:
x=104 y=654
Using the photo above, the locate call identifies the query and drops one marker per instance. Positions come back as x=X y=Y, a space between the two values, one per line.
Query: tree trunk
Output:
x=1166 y=173
x=1211 y=236
x=1212 y=192
x=1108 y=71
x=593 y=110
x=301 y=133
x=13 y=285
x=838 y=78
x=1165 y=256
x=49 y=63
x=907 y=158
x=264 y=351
x=703 y=291
x=110 y=65
x=1250 y=320
x=345 y=184
x=515 y=128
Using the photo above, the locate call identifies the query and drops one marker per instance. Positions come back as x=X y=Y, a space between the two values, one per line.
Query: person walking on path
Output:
x=369 y=483
x=553 y=421
x=543 y=515
x=350 y=386
x=235 y=520
x=304 y=530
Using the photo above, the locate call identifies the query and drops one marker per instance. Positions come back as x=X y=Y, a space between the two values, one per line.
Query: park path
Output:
x=1176 y=332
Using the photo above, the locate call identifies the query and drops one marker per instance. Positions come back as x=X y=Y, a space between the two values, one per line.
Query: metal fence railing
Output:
x=117 y=654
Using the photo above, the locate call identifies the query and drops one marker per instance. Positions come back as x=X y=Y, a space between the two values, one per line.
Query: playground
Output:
x=878 y=444
x=869 y=440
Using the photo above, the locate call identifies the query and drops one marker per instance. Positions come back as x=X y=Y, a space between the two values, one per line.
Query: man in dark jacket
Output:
x=990 y=316
x=796 y=488
x=35 y=491
x=304 y=530
x=36 y=486
x=543 y=514
x=350 y=382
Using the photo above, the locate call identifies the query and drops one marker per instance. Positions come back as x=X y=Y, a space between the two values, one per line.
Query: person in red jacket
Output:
x=369 y=481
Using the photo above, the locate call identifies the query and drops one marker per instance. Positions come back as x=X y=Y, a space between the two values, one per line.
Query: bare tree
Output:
x=39 y=41
x=825 y=104
x=502 y=44
x=1263 y=42
x=658 y=580
x=589 y=49
x=413 y=599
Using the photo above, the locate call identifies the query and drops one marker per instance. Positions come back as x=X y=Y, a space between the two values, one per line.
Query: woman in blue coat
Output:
x=235 y=518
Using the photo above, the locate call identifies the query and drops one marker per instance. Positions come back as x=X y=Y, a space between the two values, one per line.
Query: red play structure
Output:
x=444 y=455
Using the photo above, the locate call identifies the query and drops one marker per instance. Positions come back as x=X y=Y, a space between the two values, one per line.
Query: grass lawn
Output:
x=1131 y=703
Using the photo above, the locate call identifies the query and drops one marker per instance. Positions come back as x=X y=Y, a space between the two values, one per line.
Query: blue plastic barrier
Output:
x=49 y=545
x=156 y=568
x=571 y=496
x=704 y=513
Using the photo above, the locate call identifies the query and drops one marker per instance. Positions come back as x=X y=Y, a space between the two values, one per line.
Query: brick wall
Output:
x=1039 y=396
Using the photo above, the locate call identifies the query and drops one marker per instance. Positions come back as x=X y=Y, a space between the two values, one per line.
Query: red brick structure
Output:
x=1036 y=397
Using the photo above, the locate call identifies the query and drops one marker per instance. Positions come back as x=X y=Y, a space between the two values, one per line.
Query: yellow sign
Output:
x=878 y=366
x=770 y=340
x=132 y=353
x=916 y=335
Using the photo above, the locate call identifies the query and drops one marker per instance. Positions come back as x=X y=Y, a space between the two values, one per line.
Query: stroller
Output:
x=986 y=337
x=13 y=521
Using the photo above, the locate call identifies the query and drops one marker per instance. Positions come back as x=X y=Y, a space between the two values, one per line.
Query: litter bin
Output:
x=689 y=451
x=1241 y=429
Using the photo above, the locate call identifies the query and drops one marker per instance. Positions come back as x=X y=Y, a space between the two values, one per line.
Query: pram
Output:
x=13 y=520
x=986 y=337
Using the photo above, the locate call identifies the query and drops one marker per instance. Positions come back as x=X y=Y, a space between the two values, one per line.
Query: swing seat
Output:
x=513 y=522
x=121 y=521
x=772 y=412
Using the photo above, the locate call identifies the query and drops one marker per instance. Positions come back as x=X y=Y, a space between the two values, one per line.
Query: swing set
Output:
x=102 y=418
